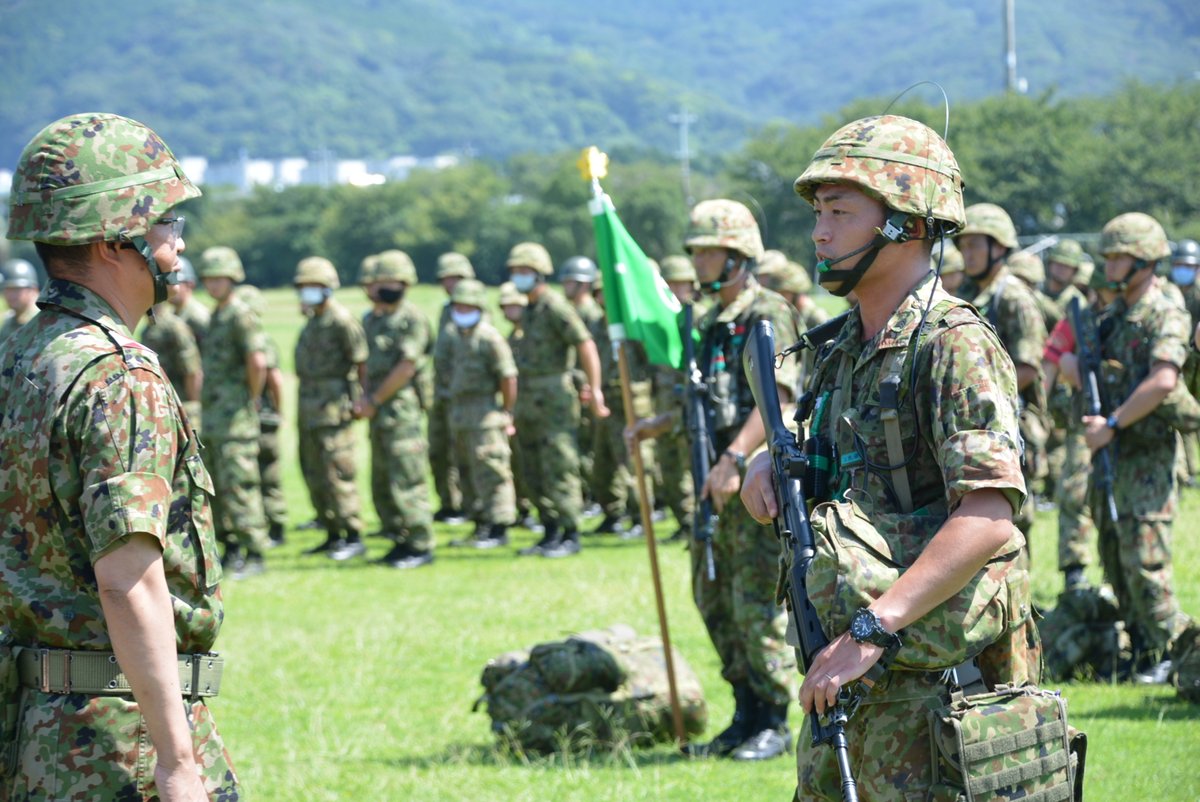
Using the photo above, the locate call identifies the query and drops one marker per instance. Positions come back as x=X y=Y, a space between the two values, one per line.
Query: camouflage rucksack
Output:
x=598 y=688
x=1185 y=658
x=1083 y=637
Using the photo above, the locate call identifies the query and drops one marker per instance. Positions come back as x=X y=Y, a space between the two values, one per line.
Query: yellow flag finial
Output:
x=592 y=164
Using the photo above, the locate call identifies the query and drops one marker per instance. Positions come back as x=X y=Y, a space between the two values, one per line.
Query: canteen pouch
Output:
x=855 y=563
x=10 y=704
x=1004 y=745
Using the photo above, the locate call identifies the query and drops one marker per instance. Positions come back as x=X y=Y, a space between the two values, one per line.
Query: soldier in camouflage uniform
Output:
x=578 y=276
x=1009 y=305
x=790 y=279
x=1068 y=271
x=1184 y=264
x=235 y=371
x=395 y=393
x=173 y=341
x=331 y=353
x=953 y=491
x=447 y=476
x=108 y=547
x=547 y=410
x=512 y=307
x=483 y=368
x=187 y=306
x=1144 y=343
x=20 y=284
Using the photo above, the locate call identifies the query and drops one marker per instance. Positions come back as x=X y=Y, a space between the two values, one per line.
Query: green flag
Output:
x=639 y=304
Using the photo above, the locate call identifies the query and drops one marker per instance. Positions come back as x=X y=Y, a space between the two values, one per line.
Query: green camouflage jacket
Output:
x=481 y=358
x=12 y=321
x=172 y=340
x=330 y=348
x=234 y=332
x=552 y=328
x=405 y=334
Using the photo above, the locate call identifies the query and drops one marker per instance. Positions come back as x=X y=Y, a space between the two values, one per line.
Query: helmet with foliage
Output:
x=454 y=265
x=94 y=178
x=530 y=254
x=1187 y=252
x=511 y=296
x=1066 y=252
x=951 y=258
x=578 y=268
x=1028 y=267
x=991 y=221
x=900 y=162
x=395 y=265
x=221 y=261
x=187 y=272
x=678 y=268
x=366 y=270
x=469 y=292
x=317 y=270
x=18 y=273
x=1136 y=234
x=723 y=223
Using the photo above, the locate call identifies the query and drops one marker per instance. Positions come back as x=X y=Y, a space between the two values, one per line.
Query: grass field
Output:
x=352 y=681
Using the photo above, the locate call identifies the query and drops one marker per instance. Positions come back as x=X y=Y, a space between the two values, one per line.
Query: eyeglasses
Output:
x=176 y=224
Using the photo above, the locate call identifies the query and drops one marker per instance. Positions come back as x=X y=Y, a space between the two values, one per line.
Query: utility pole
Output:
x=1010 y=44
x=683 y=120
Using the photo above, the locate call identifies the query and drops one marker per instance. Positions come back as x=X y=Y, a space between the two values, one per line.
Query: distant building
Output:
x=320 y=170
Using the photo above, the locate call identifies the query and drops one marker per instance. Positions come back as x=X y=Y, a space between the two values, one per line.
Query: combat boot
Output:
x=550 y=538
x=609 y=525
x=448 y=515
x=275 y=535
x=496 y=535
x=772 y=738
x=250 y=565
x=233 y=554
x=1073 y=579
x=399 y=551
x=351 y=546
x=567 y=546
x=414 y=559
x=736 y=733
x=333 y=540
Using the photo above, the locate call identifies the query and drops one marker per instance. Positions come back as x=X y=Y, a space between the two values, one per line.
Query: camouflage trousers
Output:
x=612 y=477
x=747 y=628
x=399 y=459
x=447 y=476
x=675 y=467
x=330 y=468
x=1076 y=533
x=238 y=503
x=78 y=747
x=274 y=504
x=483 y=455
x=547 y=421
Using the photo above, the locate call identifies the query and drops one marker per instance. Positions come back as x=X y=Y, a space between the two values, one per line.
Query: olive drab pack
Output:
x=601 y=688
x=1083 y=636
x=1185 y=657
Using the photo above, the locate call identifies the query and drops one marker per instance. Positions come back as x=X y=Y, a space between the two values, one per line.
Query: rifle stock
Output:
x=704 y=519
x=1083 y=326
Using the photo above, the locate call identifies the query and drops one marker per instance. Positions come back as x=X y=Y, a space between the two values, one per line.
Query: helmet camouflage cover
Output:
x=395 y=265
x=530 y=254
x=94 y=178
x=678 y=268
x=469 y=292
x=18 y=273
x=900 y=162
x=317 y=270
x=1136 y=234
x=723 y=223
x=777 y=272
x=1028 y=267
x=366 y=270
x=992 y=221
x=221 y=261
x=1083 y=276
x=1066 y=252
x=511 y=296
x=454 y=265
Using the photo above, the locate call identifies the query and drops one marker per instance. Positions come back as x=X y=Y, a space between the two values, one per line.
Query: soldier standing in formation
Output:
x=20 y=284
x=512 y=306
x=106 y=597
x=330 y=356
x=168 y=336
x=483 y=369
x=187 y=306
x=547 y=410
x=447 y=474
x=235 y=371
x=578 y=276
x=400 y=344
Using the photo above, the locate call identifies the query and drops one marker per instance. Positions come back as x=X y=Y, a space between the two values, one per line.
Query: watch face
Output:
x=861 y=625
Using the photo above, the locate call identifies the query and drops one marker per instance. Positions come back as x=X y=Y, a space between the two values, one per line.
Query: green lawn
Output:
x=356 y=682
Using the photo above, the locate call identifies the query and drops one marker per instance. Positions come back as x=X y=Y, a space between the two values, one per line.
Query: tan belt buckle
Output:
x=44 y=663
x=67 y=659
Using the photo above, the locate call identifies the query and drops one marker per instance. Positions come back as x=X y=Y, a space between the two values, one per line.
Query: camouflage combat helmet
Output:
x=1028 y=267
x=1083 y=276
x=723 y=223
x=93 y=178
x=530 y=254
x=578 y=268
x=511 y=296
x=317 y=270
x=952 y=260
x=19 y=274
x=1136 y=234
x=454 y=265
x=901 y=162
x=678 y=268
x=469 y=292
x=221 y=261
x=252 y=298
x=366 y=270
x=992 y=221
x=187 y=273
x=394 y=265
x=1066 y=252
x=1187 y=253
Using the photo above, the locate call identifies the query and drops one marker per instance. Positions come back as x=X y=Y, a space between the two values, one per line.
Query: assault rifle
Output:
x=790 y=467
x=1087 y=350
x=704 y=519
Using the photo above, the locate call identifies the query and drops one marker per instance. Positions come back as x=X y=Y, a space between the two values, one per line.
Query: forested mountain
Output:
x=369 y=78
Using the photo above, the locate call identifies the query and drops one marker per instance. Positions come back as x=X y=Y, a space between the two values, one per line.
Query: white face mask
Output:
x=465 y=320
x=524 y=282
x=313 y=296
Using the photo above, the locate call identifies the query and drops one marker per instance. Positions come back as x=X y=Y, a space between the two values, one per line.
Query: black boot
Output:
x=567 y=546
x=609 y=525
x=772 y=737
x=735 y=734
x=249 y=565
x=332 y=541
x=1073 y=578
x=275 y=535
x=550 y=539
x=495 y=535
x=352 y=546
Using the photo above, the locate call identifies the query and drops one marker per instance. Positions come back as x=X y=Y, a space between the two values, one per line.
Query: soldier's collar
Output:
x=78 y=300
x=741 y=303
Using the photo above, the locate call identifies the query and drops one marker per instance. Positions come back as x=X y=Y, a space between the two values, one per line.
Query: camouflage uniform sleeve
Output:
x=973 y=415
x=570 y=325
x=416 y=344
x=1171 y=337
x=354 y=341
x=502 y=360
x=1027 y=327
x=120 y=426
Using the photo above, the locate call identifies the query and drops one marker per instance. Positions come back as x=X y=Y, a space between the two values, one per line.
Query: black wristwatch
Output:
x=1113 y=423
x=739 y=458
x=865 y=627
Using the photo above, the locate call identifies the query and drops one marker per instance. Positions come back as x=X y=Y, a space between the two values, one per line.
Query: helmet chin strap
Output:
x=161 y=280
x=892 y=231
x=731 y=264
x=992 y=262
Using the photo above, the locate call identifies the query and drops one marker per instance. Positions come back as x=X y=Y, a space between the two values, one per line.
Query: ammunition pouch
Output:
x=1014 y=743
x=97 y=673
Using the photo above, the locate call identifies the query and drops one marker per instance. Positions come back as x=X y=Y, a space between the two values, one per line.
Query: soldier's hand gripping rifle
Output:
x=790 y=467
x=704 y=519
x=1087 y=351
